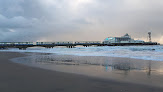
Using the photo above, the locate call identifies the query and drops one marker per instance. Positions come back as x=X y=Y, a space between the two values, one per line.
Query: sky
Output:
x=80 y=20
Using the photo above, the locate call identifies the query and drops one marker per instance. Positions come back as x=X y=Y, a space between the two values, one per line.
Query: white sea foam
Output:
x=138 y=52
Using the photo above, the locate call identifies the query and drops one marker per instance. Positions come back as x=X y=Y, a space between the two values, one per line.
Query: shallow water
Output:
x=121 y=69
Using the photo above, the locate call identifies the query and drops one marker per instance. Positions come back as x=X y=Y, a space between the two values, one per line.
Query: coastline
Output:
x=110 y=68
x=21 y=78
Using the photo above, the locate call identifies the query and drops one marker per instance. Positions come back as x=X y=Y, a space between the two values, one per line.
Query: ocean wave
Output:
x=137 y=52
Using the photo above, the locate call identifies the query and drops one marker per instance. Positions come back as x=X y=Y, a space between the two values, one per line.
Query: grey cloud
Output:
x=54 y=20
x=15 y=22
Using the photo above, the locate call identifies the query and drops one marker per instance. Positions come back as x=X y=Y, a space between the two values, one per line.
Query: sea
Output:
x=153 y=52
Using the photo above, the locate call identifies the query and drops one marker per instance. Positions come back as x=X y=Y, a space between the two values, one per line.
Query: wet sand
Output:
x=21 y=78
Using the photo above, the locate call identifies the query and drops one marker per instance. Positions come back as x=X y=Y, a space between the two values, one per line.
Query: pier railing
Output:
x=69 y=44
x=47 y=44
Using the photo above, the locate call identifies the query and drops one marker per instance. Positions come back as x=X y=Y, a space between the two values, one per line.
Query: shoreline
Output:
x=132 y=75
x=21 y=78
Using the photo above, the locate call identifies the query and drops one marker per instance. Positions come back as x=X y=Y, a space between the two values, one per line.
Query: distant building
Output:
x=124 y=39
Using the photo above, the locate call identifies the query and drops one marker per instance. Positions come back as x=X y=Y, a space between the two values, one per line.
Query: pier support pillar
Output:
x=22 y=48
x=70 y=46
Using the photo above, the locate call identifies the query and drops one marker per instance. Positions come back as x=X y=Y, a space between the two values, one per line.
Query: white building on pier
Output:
x=123 y=39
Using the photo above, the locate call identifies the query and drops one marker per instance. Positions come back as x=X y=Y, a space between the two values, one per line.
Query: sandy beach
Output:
x=20 y=78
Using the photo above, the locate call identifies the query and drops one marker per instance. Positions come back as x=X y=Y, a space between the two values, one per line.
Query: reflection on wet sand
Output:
x=123 y=69
x=126 y=65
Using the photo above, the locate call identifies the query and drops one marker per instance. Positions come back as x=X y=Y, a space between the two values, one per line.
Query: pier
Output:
x=125 y=40
x=68 y=44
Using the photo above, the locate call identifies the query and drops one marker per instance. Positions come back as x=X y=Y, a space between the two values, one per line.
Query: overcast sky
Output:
x=71 y=20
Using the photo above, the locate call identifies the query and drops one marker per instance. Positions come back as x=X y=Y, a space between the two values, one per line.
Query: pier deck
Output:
x=68 y=44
